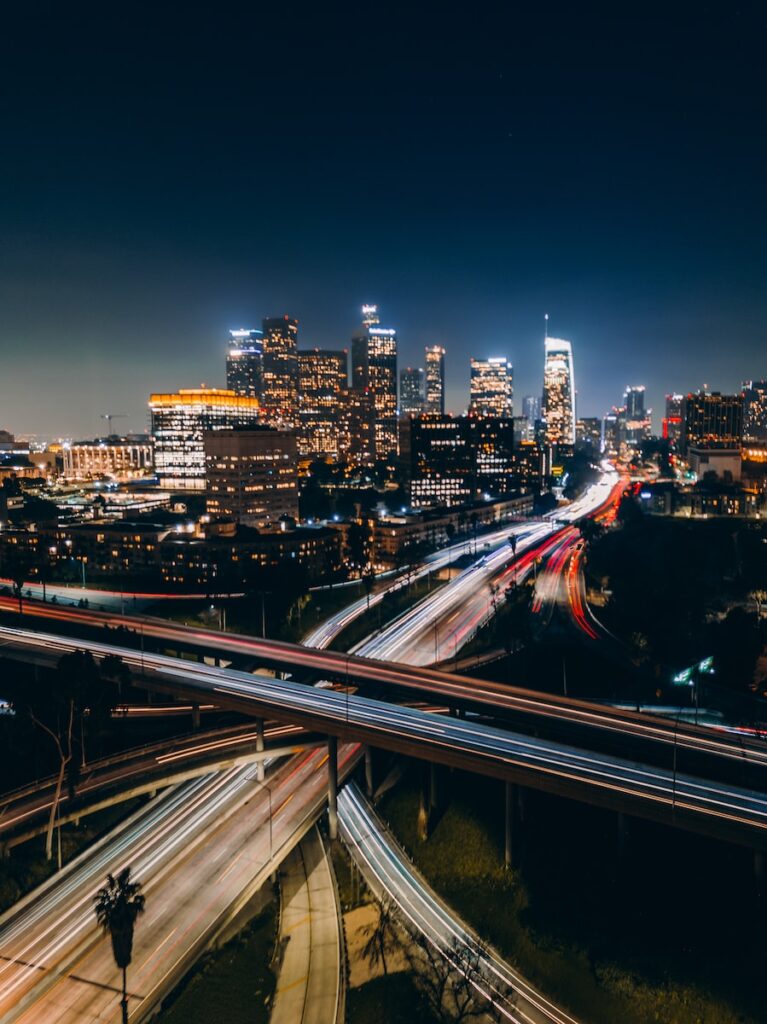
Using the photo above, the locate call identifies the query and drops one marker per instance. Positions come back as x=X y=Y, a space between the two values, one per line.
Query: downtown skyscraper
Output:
x=558 y=405
x=280 y=375
x=245 y=362
x=411 y=391
x=322 y=382
x=435 y=380
x=374 y=368
x=491 y=387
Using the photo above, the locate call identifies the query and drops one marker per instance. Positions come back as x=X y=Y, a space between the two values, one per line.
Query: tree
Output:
x=759 y=597
x=590 y=530
x=383 y=936
x=368 y=581
x=450 y=533
x=118 y=904
x=56 y=703
x=18 y=570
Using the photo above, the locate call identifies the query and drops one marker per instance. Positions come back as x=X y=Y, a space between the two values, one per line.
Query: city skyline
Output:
x=606 y=186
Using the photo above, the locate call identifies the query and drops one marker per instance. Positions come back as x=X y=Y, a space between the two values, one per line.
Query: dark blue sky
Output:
x=166 y=176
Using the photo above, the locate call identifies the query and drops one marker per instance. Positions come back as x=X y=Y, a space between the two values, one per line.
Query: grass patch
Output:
x=599 y=960
x=233 y=984
x=391 y=1000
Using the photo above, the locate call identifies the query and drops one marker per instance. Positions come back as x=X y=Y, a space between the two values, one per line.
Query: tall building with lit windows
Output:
x=638 y=418
x=672 y=421
x=755 y=410
x=435 y=380
x=712 y=420
x=245 y=362
x=491 y=387
x=322 y=379
x=374 y=368
x=558 y=404
x=251 y=475
x=179 y=421
x=412 y=401
x=280 y=373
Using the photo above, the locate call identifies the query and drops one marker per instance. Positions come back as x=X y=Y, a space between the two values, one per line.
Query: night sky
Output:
x=167 y=176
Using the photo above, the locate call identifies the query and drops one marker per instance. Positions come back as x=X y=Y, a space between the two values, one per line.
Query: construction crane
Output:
x=109 y=416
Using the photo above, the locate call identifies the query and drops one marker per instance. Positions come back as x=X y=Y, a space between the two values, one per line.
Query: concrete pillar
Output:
x=332 y=787
x=195 y=717
x=369 y=788
x=260 y=771
x=433 y=787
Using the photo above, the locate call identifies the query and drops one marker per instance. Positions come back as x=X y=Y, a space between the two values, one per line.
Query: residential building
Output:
x=251 y=475
x=755 y=410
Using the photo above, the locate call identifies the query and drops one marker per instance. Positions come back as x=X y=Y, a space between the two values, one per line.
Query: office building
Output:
x=638 y=418
x=588 y=434
x=251 y=475
x=179 y=421
x=672 y=421
x=491 y=387
x=374 y=367
x=755 y=410
x=448 y=460
x=322 y=380
x=411 y=391
x=712 y=420
x=558 y=405
x=357 y=427
x=614 y=430
x=435 y=380
x=280 y=371
x=245 y=362
x=117 y=458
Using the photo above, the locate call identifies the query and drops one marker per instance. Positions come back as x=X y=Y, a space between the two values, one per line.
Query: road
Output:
x=200 y=850
x=24 y=812
x=662 y=793
x=105 y=600
x=390 y=874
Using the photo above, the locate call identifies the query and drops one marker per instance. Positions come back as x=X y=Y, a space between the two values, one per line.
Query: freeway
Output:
x=201 y=850
x=114 y=600
x=390 y=874
x=662 y=793
x=24 y=812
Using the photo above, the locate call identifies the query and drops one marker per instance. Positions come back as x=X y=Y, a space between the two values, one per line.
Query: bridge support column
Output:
x=369 y=787
x=424 y=804
x=195 y=717
x=332 y=787
x=260 y=771
x=511 y=822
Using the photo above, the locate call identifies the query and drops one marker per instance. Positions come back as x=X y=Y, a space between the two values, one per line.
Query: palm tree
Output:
x=383 y=937
x=118 y=904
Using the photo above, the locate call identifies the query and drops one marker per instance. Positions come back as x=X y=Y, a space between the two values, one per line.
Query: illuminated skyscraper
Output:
x=179 y=422
x=558 y=405
x=251 y=475
x=435 y=379
x=374 y=367
x=672 y=421
x=356 y=427
x=244 y=362
x=411 y=391
x=755 y=410
x=712 y=420
x=322 y=379
x=280 y=360
x=638 y=423
x=491 y=387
